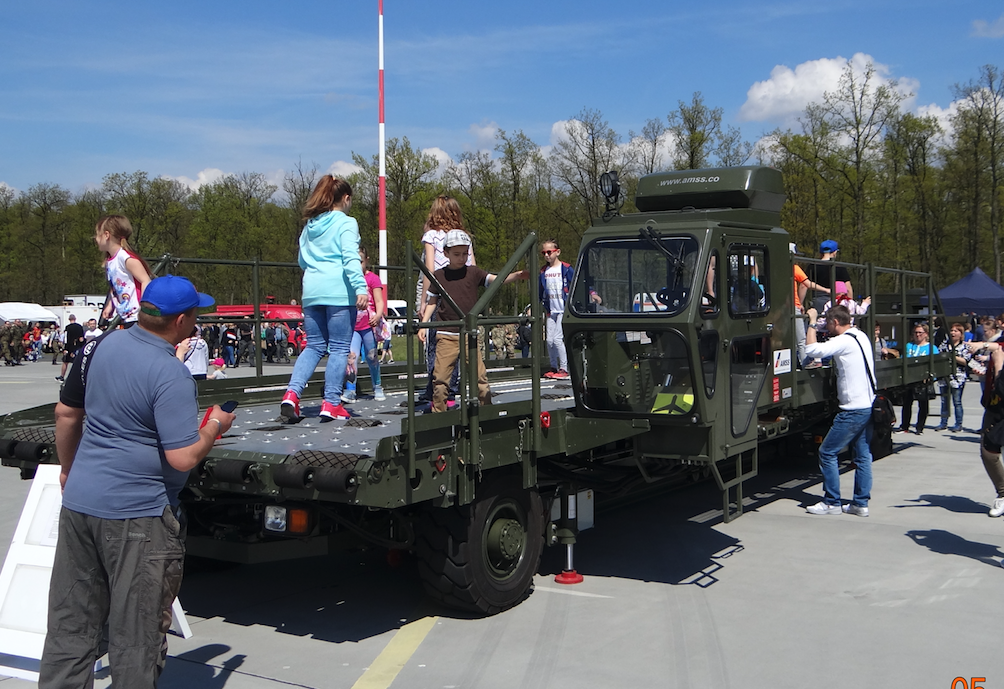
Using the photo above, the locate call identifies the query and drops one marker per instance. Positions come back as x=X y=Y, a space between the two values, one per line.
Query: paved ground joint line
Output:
x=385 y=668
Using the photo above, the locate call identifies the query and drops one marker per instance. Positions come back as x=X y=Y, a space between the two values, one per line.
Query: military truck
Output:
x=680 y=331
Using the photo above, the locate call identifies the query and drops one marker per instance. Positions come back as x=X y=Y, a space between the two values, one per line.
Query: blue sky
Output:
x=191 y=90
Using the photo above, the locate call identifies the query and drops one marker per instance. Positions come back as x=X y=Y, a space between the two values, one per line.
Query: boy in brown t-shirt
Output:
x=461 y=282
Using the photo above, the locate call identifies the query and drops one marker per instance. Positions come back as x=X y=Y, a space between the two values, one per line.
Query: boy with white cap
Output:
x=461 y=283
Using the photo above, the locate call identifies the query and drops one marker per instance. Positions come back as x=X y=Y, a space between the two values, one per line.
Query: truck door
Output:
x=748 y=295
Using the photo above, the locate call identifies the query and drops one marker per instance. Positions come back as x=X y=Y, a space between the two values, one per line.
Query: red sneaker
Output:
x=551 y=374
x=334 y=411
x=561 y=375
x=290 y=408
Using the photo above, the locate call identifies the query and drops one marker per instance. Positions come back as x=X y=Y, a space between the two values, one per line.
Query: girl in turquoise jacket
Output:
x=333 y=289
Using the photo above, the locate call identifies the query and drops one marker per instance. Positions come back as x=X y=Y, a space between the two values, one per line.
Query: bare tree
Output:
x=648 y=145
x=858 y=111
x=732 y=149
x=589 y=149
x=695 y=129
x=983 y=110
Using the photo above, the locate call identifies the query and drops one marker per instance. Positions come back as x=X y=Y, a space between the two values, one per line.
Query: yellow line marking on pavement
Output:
x=385 y=668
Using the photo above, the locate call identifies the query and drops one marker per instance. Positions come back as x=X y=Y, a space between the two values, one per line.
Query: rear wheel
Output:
x=483 y=556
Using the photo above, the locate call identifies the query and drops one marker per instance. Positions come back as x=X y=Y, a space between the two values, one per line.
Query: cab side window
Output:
x=710 y=298
x=748 y=283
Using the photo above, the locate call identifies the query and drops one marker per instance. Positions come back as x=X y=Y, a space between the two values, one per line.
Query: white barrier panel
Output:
x=24 y=580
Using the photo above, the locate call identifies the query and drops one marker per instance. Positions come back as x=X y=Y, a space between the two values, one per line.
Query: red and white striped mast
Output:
x=382 y=190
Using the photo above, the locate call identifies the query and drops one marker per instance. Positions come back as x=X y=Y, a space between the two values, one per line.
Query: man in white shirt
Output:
x=92 y=330
x=851 y=351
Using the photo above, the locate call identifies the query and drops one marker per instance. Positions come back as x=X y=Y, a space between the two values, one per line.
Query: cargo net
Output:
x=356 y=422
x=332 y=460
x=34 y=435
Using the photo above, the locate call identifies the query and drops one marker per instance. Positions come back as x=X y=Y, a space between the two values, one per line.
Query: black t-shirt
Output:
x=74 y=336
x=821 y=274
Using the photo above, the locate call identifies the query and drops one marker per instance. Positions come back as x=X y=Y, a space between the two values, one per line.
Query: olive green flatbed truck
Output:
x=680 y=331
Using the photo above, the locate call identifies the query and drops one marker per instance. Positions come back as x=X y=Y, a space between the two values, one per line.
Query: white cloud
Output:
x=944 y=117
x=441 y=156
x=559 y=131
x=484 y=135
x=783 y=97
x=342 y=169
x=985 y=29
x=207 y=176
x=4 y=185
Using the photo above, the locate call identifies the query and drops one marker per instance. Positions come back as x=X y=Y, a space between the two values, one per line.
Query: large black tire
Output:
x=482 y=557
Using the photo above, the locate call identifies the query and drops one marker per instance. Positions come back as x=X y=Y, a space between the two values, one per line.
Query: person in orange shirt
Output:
x=802 y=286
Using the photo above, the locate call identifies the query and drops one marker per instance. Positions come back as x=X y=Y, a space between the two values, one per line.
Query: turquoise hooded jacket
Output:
x=329 y=256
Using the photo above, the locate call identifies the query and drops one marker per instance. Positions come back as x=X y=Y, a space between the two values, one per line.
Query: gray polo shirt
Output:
x=140 y=401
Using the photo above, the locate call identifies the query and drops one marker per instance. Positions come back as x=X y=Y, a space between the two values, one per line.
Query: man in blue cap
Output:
x=824 y=275
x=125 y=450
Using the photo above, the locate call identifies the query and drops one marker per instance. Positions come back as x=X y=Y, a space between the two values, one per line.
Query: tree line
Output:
x=892 y=187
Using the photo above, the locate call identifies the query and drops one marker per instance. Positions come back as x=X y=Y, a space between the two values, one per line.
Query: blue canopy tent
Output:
x=975 y=293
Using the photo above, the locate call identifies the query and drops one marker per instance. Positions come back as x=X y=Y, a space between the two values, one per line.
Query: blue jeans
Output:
x=329 y=329
x=956 y=402
x=228 y=355
x=851 y=428
x=364 y=347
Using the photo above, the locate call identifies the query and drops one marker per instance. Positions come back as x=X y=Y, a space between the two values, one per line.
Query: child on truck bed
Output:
x=461 y=282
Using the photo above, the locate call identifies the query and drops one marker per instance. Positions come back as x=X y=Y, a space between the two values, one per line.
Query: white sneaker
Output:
x=378 y=394
x=856 y=510
x=998 y=508
x=823 y=508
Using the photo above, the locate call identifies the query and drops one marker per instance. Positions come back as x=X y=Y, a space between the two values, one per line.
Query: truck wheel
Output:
x=482 y=556
x=290 y=351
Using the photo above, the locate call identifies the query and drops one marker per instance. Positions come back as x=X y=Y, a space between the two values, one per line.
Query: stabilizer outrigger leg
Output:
x=566 y=533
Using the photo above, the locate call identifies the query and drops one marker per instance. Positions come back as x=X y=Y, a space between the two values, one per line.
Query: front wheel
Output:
x=482 y=556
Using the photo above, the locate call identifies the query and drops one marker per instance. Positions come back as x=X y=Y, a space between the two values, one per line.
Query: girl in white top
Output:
x=128 y=275
x=444 y=215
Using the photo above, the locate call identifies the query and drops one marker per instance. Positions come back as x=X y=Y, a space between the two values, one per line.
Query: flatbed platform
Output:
x=258 y=427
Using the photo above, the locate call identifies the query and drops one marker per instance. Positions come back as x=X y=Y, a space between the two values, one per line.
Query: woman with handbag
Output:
x=952 y=387
x=992 y=433
x=919 y=347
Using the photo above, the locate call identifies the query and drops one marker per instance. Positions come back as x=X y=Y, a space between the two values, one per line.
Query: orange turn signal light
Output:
x=299 y=522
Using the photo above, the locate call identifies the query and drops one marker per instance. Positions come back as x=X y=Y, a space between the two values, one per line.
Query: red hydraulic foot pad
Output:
x=568 y=576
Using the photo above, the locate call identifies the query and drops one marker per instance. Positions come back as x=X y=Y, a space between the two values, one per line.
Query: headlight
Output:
x=609 y=186
x=275 y=518
x=294 y=521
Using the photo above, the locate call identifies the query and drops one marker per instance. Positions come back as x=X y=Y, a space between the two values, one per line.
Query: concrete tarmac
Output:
x=673 y=597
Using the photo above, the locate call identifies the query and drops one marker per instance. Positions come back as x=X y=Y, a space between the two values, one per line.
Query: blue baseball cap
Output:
x=172 y=294
x=828 y=247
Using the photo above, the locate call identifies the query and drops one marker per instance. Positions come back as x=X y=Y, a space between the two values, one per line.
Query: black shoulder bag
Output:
x=883 y=413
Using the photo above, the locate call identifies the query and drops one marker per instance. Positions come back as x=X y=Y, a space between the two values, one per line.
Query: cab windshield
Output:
x=648 y=274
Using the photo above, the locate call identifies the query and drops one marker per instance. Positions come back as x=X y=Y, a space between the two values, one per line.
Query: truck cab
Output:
x=683 y=314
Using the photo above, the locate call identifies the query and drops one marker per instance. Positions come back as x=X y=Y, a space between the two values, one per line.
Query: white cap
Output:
x=456 y=238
